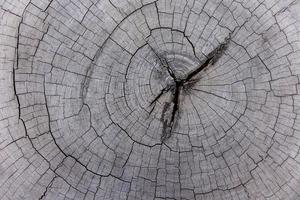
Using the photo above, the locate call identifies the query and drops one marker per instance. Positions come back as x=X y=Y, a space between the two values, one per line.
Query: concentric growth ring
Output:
x=165 y=99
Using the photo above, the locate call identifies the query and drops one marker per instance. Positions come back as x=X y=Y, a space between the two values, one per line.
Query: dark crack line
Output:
x=167 y=133
x=198 y=70
x=162 y=92
x=212 y=58
x=176 y=101
x=48 y=186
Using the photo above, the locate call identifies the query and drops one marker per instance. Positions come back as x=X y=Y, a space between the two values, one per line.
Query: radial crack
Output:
x=163 y=91
x=212 y=58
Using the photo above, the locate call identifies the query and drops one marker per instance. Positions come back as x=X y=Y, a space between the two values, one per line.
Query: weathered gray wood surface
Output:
x=144 y=99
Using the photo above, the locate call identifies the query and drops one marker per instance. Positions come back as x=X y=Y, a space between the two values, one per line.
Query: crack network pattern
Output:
x=150 y=99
